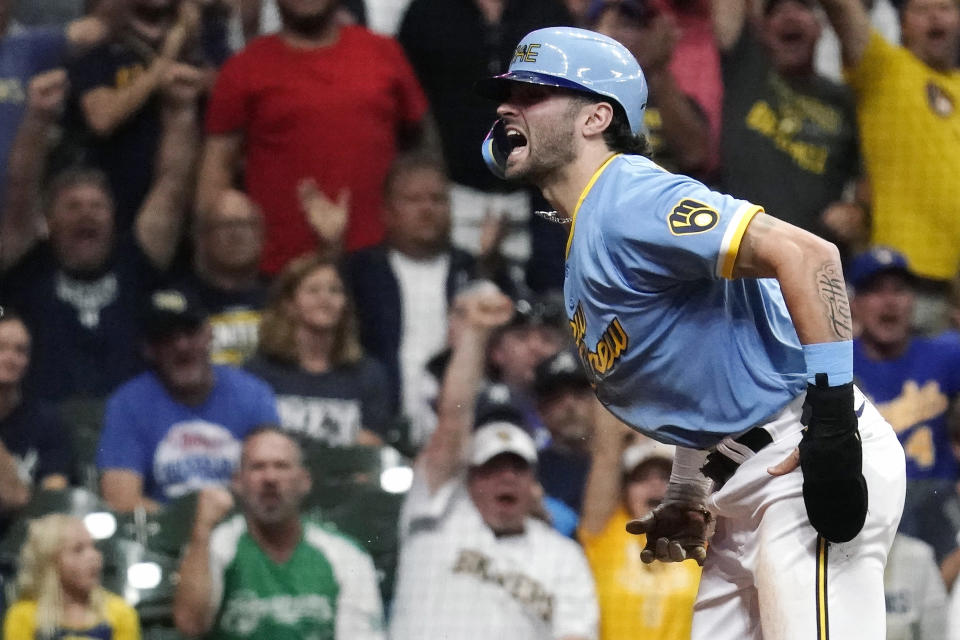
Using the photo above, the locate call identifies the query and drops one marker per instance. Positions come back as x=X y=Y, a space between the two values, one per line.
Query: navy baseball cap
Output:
x=496 y=403
x=561 y=371
x=171 y=310
x=545 y=309
x=871 y=263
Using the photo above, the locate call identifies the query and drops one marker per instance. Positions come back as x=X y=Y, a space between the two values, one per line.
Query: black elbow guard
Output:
x=831 y=457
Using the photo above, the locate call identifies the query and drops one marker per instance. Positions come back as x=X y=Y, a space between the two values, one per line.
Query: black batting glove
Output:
x=831 y=457
x=675 y=532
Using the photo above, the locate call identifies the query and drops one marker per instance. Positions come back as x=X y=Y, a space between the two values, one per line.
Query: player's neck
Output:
x=564 y=188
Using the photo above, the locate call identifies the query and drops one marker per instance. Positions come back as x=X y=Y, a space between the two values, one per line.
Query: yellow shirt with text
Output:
x=909 y=117
x=637 y=600
x=120 y=623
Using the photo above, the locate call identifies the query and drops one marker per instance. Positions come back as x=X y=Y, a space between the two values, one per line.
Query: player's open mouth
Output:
x=516 y=140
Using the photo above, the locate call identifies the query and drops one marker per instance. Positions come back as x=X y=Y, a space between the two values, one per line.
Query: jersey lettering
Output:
x=332 y=421
x=522 y=588
x=915 y=404
x=235 y=336
x=246 y=611
x=810 y=157
x=908 y=414
x=608 y=349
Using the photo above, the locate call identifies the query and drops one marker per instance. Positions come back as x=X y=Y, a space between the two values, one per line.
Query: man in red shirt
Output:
x=319 y=101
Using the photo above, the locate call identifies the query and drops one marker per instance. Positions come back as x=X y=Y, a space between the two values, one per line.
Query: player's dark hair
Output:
x=619 y=136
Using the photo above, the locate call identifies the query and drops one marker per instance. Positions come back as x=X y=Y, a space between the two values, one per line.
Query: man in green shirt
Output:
x=269 y=573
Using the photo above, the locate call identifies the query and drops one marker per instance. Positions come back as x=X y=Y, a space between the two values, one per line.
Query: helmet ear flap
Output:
x=496 y=148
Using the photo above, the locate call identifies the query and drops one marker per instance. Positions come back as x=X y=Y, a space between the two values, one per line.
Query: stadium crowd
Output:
x=281 y=358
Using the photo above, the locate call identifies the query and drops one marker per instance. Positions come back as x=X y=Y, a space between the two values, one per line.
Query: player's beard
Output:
x=552 y=150
x=309 y=26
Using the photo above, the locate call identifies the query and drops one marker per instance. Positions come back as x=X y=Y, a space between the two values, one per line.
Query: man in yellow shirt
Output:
x=908 y=107
x=637 y=600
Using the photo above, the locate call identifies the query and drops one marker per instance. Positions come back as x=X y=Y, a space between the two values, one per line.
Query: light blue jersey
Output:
x=677 y=349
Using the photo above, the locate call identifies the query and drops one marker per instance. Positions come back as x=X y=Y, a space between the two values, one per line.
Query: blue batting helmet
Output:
x=573 y=59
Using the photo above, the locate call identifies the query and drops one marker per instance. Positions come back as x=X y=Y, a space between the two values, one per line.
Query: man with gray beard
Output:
x=267 y=573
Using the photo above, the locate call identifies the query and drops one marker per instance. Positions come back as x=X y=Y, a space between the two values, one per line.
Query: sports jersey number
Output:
x=919 y=447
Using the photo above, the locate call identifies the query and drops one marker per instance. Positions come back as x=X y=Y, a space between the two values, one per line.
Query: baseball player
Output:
x=706 y=323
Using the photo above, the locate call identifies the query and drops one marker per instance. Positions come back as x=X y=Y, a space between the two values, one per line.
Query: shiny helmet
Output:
x=570 y=58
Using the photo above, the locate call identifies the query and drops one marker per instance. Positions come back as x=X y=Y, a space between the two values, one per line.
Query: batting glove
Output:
x=677 y=528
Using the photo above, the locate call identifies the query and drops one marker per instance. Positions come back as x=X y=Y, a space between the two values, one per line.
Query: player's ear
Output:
x=599 y=116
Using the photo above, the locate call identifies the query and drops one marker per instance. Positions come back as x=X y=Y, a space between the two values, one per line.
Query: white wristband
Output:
x=687 y=483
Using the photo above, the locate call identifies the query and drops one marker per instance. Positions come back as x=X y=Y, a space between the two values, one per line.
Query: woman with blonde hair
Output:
x=59 y=588
x=327 y=391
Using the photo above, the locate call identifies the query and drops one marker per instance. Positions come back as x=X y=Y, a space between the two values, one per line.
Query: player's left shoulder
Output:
x=643 y=177
x=641 y=191
x=640 y=168
x=627 y=183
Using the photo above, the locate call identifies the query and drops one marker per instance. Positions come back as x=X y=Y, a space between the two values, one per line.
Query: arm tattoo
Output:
x=834 y=296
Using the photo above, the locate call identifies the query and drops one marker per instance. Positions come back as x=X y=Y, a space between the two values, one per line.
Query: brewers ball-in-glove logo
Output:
x=692 y=216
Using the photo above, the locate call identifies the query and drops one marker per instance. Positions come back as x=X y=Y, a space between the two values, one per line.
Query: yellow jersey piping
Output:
x=733 y=247
x=583 y=195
